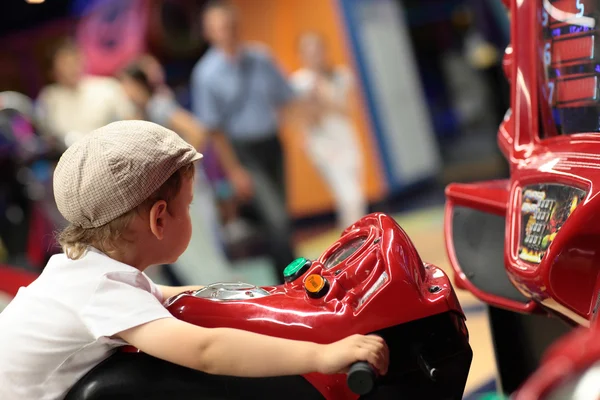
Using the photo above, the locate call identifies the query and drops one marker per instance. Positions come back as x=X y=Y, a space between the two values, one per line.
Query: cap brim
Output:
x=197 y=156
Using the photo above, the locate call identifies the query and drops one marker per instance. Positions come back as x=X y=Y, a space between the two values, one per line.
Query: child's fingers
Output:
x=372 y=357
x=376 y=344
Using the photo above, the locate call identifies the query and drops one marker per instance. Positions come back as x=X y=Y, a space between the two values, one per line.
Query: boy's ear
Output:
x=157 y=218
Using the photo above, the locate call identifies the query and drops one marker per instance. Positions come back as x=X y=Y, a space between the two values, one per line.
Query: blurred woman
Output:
x=76 y=103
x=331 y=141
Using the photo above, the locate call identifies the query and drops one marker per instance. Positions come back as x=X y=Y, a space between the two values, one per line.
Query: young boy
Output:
x=126 y=189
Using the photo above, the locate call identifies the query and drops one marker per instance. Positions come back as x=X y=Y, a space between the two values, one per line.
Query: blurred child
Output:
x=159 y=106
x=331 y=140
x=143 y=83
x=126 y=190
x=155 y=103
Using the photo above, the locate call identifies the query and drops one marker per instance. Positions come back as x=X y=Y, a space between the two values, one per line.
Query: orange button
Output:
x=314 y=283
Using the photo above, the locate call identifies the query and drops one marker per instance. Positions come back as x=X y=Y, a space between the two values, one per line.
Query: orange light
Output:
x=34 y=1
x=314 y=283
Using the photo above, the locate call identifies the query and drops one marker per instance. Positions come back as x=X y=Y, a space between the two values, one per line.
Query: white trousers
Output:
x=336 y=155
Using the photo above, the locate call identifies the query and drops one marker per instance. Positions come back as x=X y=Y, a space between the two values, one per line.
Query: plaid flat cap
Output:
x=112 y=170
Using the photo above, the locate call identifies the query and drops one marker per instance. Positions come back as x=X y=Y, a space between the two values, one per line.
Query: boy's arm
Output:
x=170 y=291
x=224 y=351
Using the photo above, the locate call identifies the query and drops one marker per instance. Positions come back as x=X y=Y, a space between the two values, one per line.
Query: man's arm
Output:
x=224 y=351
x=238 y=176
x=184 y=123
x=170 y=291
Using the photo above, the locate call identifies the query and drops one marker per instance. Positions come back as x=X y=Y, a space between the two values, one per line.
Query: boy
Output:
x=126 y=189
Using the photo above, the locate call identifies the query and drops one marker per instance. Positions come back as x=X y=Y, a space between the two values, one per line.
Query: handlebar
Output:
x=361 y=378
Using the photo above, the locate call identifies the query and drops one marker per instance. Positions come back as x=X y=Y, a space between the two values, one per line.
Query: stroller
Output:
x=28 y=215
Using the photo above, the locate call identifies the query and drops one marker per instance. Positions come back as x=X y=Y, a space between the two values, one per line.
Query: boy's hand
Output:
x=339 y=356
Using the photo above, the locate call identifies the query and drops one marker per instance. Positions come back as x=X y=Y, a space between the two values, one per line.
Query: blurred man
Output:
x=239 y=93
x=77 y=103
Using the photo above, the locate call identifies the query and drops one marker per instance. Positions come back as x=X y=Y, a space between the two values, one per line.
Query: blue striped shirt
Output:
x=239 y=96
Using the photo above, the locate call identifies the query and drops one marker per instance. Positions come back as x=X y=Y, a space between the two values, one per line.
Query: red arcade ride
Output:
x=570 y=370
x=370 y=281
x=531 y=244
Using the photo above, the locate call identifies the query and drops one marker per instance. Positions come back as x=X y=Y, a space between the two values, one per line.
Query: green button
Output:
x=294 y=266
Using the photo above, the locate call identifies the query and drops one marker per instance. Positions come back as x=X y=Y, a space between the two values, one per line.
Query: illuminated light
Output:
x=531 y=256
x=577 y=48
x=577 y=89
x=34 y=1
x=314 y=283
x=574 y=203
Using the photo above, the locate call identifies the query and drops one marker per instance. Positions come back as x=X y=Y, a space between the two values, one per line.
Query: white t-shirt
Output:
x=60 y=326
x=68 y=113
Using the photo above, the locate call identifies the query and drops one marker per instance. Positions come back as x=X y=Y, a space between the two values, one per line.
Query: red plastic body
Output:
x=290 y=313
x=12 y=279
x=565 y=360
x=566 y=279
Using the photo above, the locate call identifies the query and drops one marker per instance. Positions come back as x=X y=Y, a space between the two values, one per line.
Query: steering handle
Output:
x=361 y=378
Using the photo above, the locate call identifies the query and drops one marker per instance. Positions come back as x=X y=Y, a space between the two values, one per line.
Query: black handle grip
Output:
x=361 y=378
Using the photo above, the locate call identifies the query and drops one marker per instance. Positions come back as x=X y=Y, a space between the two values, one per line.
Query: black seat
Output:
x=133 y=376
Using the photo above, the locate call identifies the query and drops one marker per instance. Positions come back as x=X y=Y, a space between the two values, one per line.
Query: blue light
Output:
x=577 y=29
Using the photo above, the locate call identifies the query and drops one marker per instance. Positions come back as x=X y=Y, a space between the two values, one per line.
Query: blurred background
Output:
x=420 y=83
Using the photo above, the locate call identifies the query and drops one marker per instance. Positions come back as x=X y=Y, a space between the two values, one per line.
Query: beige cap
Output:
x=112 y=170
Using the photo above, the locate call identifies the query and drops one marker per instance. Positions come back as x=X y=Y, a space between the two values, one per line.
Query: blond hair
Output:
x=75 y=240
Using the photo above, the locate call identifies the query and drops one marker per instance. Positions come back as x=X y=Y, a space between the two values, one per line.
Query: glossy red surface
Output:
x=288 y=311
x=566 y=279
x=566 y=360
x=11 y=279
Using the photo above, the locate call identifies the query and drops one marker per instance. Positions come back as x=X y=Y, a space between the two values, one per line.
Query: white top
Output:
x=59 y=327
x=68 y=113
x=334 y=135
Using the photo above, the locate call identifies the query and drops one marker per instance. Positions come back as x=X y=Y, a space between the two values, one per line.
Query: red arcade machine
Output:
x=570 y=370
x=529 y=246
x=369 y=281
